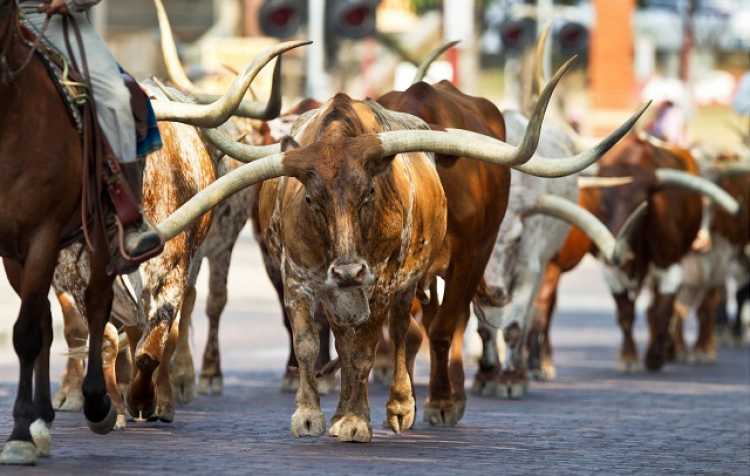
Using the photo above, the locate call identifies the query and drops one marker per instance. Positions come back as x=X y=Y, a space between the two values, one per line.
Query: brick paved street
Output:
x=592 y=419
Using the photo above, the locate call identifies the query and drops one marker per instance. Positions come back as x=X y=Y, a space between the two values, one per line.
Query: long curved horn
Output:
x=230 y=183
x=622 y=251
x=537 y=70
x=434 y=54
x=698 y=184
x=470 y=144
x=603 y=182
x=574 y=214
x=217 y=138
x=250 y=109
x=238 y=150
x=216 y=113
x=458 y=142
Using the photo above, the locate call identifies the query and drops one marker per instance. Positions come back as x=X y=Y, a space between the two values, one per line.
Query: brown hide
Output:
x=345 y=207
x=664 y=236
x=40 y=190
x=735 y=228
x=477 y=194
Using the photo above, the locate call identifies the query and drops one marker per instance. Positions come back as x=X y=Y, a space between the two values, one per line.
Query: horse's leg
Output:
x=97 y=407
x=69 y=397
x=32 y=334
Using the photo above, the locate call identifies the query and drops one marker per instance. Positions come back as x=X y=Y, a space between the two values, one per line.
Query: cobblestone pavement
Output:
x=592 y=419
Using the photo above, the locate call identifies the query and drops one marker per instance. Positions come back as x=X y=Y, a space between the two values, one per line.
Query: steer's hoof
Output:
x=164 y=412
x=351 y=428
x=629 y=365
x=290 y=380
x=308 y=422
x=383 y=374
x=68 y=401
x=183 y=388
x=511 y=390
x=546 y=373
x=121 y=422
x=18 y=453
x=484 y=383
x=40 y=434
x=654 y=360
x=702 y=357
x=443 y=412
x=326 y=384
x=400 y=416
x=211 y=385
x=106 y=425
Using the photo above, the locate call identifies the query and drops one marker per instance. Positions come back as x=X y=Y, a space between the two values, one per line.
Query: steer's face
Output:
x=346 y=210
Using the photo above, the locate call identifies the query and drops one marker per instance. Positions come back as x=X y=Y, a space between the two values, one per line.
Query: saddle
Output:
x=106 y=194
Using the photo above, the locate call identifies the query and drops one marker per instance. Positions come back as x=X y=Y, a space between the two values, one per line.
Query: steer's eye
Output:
x=307 y=199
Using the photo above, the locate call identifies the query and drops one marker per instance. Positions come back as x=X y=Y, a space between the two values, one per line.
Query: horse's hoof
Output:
x=106 y=425
x=40 y=434
x=18 y=453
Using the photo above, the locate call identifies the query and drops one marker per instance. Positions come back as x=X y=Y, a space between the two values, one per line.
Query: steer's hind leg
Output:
x=704 y=351
x=110 y=351
x=32 y=334
x=659 y=314
x=447 y=396
x=182 y=373
x=626 y=317
x=541 y=364
x=211 y=381
x=308 y=419
x=69 y=398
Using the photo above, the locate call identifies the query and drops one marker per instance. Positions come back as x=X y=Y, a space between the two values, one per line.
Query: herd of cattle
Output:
x=358 y=207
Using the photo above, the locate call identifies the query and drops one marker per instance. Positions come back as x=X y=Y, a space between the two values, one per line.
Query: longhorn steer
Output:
x=373 y=221
x=720 y=245
x=665 y=177
x=477 y=196
x=164 y=284
x=524 y=245
x=230 y=217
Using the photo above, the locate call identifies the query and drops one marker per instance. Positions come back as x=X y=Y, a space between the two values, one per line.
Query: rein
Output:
x=7 y=74
x=92 y=162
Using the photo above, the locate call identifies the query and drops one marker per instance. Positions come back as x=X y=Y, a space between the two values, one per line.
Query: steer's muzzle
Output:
x=349 y=273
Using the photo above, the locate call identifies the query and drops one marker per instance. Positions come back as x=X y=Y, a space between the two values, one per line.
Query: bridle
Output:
x=12 y=28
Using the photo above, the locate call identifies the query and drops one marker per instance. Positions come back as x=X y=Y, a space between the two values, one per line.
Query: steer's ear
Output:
x=370 y=148
x=288 y=143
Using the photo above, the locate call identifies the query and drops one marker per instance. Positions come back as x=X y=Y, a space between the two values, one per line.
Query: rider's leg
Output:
x=114 y=115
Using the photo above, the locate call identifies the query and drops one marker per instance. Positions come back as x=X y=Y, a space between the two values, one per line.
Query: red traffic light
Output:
x=352 y=18
x=281 y=18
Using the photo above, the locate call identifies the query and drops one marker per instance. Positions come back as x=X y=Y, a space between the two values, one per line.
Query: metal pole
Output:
x=317 y=79
x=458 y=24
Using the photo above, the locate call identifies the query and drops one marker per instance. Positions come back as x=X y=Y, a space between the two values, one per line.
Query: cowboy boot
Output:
x=141 y=237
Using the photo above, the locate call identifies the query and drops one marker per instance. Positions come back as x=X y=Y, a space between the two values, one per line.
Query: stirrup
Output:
x=124 y=262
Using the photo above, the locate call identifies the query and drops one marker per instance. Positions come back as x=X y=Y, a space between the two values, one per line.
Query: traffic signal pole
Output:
x=317 y=78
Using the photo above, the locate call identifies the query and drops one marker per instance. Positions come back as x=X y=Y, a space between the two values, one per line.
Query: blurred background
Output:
x=689 y=54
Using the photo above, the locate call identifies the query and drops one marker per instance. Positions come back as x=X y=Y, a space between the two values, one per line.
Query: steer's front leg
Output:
x=401 y=408
x=356 y=349
x=308 y=419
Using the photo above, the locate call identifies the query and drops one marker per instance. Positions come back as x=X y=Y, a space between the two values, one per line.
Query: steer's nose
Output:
x=348 y=274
